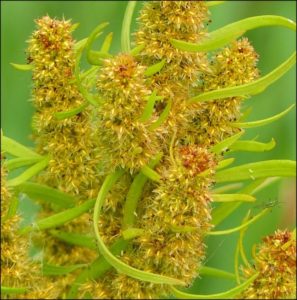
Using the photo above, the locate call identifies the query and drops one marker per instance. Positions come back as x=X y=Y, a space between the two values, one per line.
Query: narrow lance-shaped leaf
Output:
x=41 y=192
x=125 y=34
x=163 y=116
x=19 y=162
x=151 y=70
x=221 y=212
x=89 y=97
x=75 y=239
x=72 y=112
x=114 y=261
x=22 y=67
x=225 y=163
x=214 y=3
x=5 y=290
x=224 y=295
x=150 y=173
x=226 y=143
x=232 y=197
x=91 y=55
x=134 y=194
x=149 y=107
x=262 y=169
x=97 y=268
x=242 y=226
x=59 y=218
x=135 y=51
x=208 y=271
x=226 y=188
x=252 y=88
x=263 y=122
x=52 y=270
x=107 y=43
x=252 y=146
x=14 y=148
x=29 y=173
x=226 y=34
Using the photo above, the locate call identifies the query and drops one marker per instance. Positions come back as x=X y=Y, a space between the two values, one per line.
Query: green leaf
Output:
x=12 y=209
x=225 y=144
x=131 y=233
x=59 y=218
x=214 y=3
x=80 y=45
x=11 y=290
x=19 y=162
x=263 y=122
x=208 y=271
x=96 y=57
x=29 y=173
x=52 y=270
x=262 y=169
x=226 y=188
x=242 y=226
x=150 y=173
x=115 y=262
x=252 y=146
x=252 y=88
x=162 y=117
x=94 y=34
x=74 y=239
x=135 y=51
x=228 y=33
x=225 y=209
x=125 y=34
x=14 y=148
x=107 y=43
x=134 y=194
x=74 y=26
x=150 y=71
x=225 y=163
x=149 y=107
x=38 y=191
x=72 y=112
x=230 y=294
x=22 y=67
x=232 y=197
x=97 y=268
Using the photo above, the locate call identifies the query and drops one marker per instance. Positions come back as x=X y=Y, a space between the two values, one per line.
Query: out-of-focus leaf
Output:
x=262 y=169
x=252 y=146
x=52 y=270
x=263 y=122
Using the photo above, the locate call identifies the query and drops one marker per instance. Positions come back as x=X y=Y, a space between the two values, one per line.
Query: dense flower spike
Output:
x=70 y=142
x=17 y=269
x=234 y=65
x=275 y=261
x=124 y=139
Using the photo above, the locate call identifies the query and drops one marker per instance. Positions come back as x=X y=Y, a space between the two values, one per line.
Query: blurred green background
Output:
x=274 y=46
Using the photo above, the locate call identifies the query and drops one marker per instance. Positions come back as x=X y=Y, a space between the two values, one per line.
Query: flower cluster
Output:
x=275 y=261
